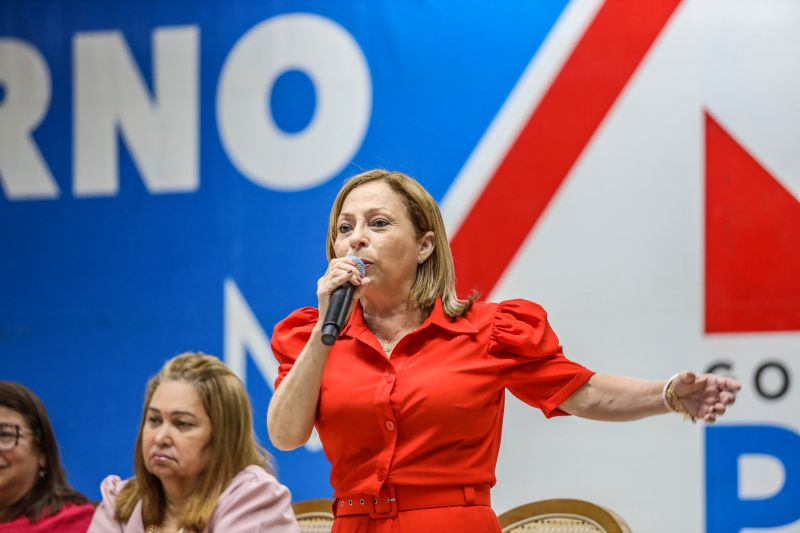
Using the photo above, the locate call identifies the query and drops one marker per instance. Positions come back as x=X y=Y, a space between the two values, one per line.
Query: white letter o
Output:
x=331 y=57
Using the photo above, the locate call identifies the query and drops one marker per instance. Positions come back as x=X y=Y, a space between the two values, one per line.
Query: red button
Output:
x=390 y=378
x=390 y=425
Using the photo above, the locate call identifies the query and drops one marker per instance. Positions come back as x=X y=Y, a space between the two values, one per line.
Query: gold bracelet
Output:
x=675 y=403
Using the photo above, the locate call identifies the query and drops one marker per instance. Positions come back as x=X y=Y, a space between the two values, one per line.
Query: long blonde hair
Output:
x=436 y=275
x=233 y=443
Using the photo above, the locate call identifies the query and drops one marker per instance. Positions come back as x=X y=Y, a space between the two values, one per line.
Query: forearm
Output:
x=617 y=398
x=290 y=417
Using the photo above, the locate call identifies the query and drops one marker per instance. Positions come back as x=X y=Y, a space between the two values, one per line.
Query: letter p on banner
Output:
x=726 y=510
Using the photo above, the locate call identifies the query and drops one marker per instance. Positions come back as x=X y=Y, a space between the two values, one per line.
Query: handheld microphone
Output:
x=339 y=305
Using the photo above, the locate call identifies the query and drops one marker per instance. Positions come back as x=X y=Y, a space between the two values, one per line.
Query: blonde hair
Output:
x=233 y=444
x=436 y=275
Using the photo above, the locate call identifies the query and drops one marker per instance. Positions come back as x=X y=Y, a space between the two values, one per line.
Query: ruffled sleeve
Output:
x=535 y=370
x=103 y=520
x=289 y=338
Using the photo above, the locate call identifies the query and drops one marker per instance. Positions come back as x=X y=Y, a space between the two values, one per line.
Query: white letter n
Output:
x=243 y=335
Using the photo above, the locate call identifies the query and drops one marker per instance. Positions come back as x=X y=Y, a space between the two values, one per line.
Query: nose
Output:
x=162 y=436
x=358 y=238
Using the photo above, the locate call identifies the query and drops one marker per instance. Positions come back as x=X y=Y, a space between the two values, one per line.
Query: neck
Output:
x=176 y=499
x=386 y=321
x=11 y=497
x=386 y=310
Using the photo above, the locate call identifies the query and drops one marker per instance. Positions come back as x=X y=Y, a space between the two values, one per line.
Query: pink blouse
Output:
x=253 y=502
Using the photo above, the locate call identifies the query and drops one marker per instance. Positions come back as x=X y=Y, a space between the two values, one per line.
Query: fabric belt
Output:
x=394 y=498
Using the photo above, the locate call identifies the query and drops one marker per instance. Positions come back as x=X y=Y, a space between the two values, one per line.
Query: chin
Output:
x=157 y=469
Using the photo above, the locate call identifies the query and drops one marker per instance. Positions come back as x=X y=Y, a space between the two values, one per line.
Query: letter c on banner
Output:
x=332 y=59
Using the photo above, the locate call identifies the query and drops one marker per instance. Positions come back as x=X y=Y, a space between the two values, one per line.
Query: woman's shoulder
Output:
x=293 y=332
x=104 y=519
x=72 y=518
x=254 y=500
x=521 y=308
x=251 y=477
x=110 y=487
x=299 y=317
x=505 y=311
x=515 y=326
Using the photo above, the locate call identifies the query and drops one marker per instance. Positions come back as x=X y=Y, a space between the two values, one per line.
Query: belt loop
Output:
x=469 y=495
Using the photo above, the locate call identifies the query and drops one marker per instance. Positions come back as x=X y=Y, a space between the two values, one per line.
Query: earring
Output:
x=41 y=472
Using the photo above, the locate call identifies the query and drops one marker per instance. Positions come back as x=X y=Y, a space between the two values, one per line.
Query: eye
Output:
x=344 y=227
x=182 y=424
x=153 y=420
x=380 y=222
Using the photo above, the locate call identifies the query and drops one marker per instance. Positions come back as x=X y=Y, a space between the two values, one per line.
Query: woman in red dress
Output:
x=34 y=494
x=409 y=400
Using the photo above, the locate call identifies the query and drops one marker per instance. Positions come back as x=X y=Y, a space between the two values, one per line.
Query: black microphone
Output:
x=339 y=305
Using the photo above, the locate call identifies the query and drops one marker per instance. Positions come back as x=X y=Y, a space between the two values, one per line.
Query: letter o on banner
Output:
x=783 y=385
x=333 y=60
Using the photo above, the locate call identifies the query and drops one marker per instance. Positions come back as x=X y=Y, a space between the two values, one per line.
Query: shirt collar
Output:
x=356 y=325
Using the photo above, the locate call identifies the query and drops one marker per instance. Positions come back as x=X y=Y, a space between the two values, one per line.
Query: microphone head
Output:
x=362 y=268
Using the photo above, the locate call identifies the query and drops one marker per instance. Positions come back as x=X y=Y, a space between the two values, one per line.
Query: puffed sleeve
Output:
x=103 y=520
x=535 y=369
x=254 y=502
x=289 y=338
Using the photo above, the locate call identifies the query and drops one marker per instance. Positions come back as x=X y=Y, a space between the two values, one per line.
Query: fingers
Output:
x=339 y=272
x=343 y=263
x=713 y=395
x=727 y=397
x=714 y=412
x=724 y=383
x=731 y=384
x=688 y=377
x=716 y=401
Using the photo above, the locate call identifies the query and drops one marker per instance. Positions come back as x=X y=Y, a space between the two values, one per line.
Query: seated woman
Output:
x=197 y=465
x=34 y=494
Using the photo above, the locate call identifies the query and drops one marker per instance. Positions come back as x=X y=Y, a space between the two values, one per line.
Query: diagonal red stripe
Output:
x=554 y=137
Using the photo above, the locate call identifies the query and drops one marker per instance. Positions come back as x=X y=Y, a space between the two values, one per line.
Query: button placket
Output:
x=387 y=418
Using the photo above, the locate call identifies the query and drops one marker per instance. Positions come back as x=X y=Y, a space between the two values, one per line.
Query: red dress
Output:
x=432 y=413
x=70 y=519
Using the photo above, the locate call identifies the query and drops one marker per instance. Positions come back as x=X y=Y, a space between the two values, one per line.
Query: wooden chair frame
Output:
x=564 y=508
x=321 y=509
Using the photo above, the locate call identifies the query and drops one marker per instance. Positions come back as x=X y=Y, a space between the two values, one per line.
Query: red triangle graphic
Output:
x=752 y=242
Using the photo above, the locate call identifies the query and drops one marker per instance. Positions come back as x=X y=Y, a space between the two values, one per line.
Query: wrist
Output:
x=316 y=337
x=672 y=401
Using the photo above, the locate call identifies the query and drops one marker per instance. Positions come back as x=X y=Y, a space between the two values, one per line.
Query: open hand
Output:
x=705 y=396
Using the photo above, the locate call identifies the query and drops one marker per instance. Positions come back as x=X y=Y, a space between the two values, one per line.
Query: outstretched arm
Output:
x=619 y=398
